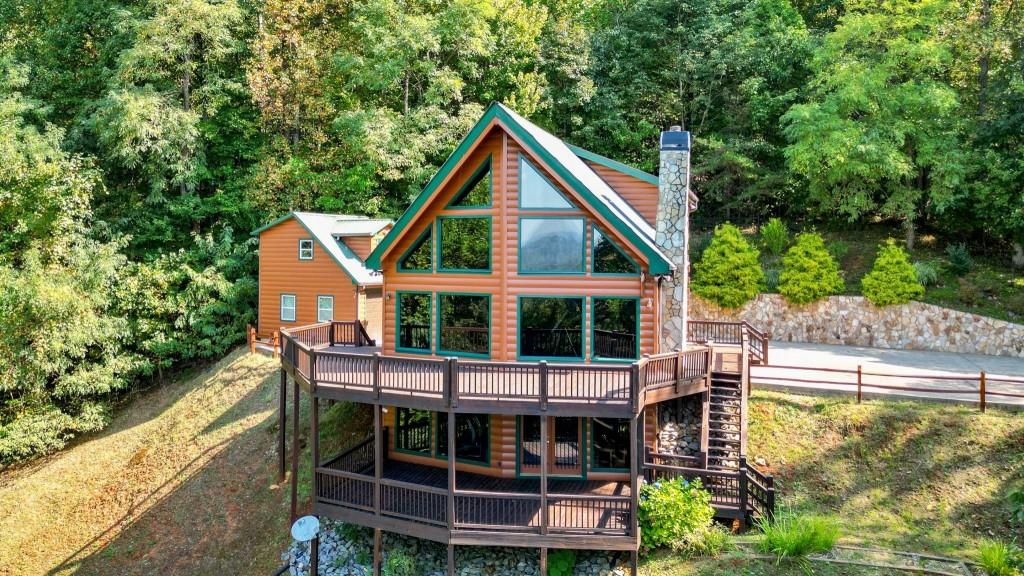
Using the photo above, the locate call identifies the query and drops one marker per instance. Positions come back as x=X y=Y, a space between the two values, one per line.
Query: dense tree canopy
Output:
x=144 y=139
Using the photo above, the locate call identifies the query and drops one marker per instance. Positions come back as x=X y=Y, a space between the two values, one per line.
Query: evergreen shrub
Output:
x=728 y=273
x=809 y=272
x=892 y=279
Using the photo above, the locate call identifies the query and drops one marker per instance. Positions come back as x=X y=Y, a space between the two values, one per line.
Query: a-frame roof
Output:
x=566 y=163
x=326 y=229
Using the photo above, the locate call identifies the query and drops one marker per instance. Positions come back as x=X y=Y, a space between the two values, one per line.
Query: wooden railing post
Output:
x=375 y=369
x=770 y=505
x=764 y=348
x=543 y=474
x=860 y=382
x=636 y=432
x=543 y=385
x=275 y=343
x=743 y=488
x=678 y=367
x=314 y=442
x=330 y=333
x=634 y=386
x=451 y=469
x=453 y=380
x=981 y=390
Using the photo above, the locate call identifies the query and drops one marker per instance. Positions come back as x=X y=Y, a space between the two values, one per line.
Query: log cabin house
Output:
x=312 y=269
x=535 y=363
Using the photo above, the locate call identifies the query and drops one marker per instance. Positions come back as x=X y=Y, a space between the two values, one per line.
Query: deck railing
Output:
x=744 y=493
x=449 y=381
x=731 y=334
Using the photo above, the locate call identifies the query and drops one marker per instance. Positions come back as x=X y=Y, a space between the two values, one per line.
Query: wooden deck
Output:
x=354 y=370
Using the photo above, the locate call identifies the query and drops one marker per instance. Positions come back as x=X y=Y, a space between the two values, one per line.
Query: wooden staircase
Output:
x=725 y=421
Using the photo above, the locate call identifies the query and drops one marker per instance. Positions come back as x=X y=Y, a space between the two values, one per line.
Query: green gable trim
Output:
x=613 y=164
x=272 y=223
x=658 y=263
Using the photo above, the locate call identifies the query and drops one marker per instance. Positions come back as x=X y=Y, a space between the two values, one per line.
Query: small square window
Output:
x=305 y=249
x=288 y=307
x=324 y=308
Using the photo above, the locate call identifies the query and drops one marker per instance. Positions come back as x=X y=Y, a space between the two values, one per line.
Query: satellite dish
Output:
x=306 y=528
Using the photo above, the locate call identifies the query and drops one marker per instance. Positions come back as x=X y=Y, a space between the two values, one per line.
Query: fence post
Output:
x=859 y=383
x=770 y=512
x=981 y=380
x=275 y=342
x=543 y=386
x=250 y=337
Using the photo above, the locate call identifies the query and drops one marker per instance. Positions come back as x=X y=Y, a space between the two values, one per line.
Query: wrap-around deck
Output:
x=338 y=361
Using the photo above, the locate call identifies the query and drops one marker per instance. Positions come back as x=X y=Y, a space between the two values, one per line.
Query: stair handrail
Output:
x=744 y=393
x=705 y=430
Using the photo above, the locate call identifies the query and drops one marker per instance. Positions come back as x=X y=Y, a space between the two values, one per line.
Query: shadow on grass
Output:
x=908 y=475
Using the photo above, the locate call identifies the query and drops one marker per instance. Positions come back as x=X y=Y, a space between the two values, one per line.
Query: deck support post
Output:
x=314 y=440
x=636 y=432
x=543 y=477
x=634 y=563
x=295 y=450
x=282 y=424
x=451 y=469
x=451 y=559
x=378 y=457
x=543 y=562
x=376 y=551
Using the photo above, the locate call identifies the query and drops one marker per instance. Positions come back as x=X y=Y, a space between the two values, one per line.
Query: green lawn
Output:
x=911 y=476
x=737 y=564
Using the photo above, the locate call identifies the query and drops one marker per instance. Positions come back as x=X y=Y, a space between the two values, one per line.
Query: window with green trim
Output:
x=551 y=245
x=609 y=258
x=413 y=321
x=476 y=193
x=472 y=437
x=464 y=322
x=551 y=327
x=412 y=430
x=537 y=192
x=609 y=440
x=324 y=308
x=615 y=324
x=288 y=303
x=420 y=256
x=465 y=244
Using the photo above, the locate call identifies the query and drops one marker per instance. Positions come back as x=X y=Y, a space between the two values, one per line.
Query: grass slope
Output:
x=182 y=482
x=911 y=476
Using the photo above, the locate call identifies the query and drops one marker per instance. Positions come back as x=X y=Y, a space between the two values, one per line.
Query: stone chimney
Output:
x=673 y=233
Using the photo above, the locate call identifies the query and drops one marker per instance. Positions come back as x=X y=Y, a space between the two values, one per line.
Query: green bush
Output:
x=673 y=512
x=398 y=563
x=808 y=271
x=771 y=279
x=892 y=279
x=728 y=272
x=1016 y=499
x=561 y=563
x=792 y=536
x=999 y=559
x=774 y=236
x=927 y=273
x=959 y=259
x=838 y=249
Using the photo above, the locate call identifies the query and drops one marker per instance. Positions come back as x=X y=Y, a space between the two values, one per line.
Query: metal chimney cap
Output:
x=675 y=139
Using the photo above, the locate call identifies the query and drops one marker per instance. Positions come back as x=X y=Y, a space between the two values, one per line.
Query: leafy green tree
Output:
x=892 y=279
x=728 y=273
x=880 y=133
x=809 y=272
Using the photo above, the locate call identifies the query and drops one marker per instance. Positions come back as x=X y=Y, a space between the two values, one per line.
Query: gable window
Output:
x=551 y=245
x=551 y=327
x=476 y=192
x=464 y=244
x=615 y=323
x=420 y=256
x=464 y=324
x=609 y=443
x=288 y=307
x=324 y=308
x=610 y=259
x=472 y=437
x=412 y=431
x=537 y=192
x=305 y=249
x=413 y=321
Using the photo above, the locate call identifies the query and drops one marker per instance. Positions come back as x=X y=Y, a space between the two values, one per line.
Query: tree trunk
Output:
x=983 y=61
x=1018 y=255
x=910 y=231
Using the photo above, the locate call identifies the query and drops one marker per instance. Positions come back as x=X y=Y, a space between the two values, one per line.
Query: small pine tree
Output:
x=892 y=279
x=809 y=272
x=728 y=273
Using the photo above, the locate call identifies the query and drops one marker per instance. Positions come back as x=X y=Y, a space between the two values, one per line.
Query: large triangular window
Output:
x=476 y=192
x=419 y=256
x=609 y=258
x=537 y=192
